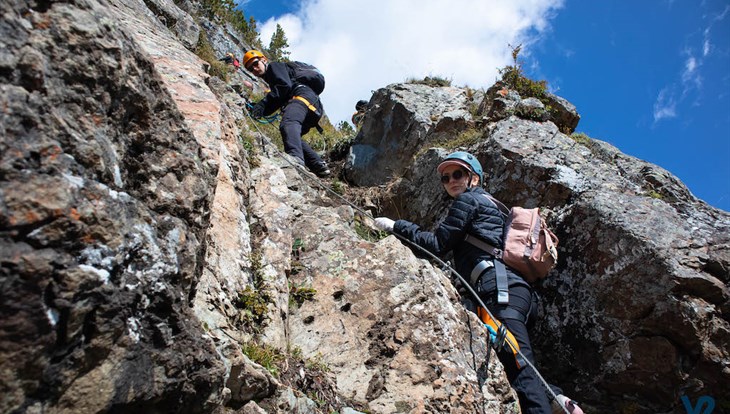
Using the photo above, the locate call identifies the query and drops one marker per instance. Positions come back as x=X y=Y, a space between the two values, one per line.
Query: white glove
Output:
x=562 y=403
x=384 y=223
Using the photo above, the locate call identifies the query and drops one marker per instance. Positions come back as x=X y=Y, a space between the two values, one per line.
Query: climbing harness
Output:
x=499 y=335
x=311 y=108
x=306 y=102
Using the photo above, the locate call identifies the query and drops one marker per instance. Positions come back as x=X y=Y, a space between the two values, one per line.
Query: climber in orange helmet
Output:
x=294 y=88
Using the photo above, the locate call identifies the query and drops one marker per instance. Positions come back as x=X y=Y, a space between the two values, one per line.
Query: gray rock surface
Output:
x=637 y=307
x=132 y=225
x=103 y=208
x=401 y=120
x=136 y=227
x=171 y=16
x=563 y=113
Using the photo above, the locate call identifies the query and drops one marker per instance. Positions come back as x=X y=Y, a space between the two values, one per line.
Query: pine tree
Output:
x=251 y=34
x=277 y=46
x=229 y=11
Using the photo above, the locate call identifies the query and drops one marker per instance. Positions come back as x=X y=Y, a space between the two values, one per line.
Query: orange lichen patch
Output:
x=503 y=92
x=45 y=23
x=87 y=239
x=31 y=217
x=74 y=214
x=51 y=152
x=95 y=198
x=97 y=119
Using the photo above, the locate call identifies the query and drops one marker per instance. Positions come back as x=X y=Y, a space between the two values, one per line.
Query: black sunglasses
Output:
x=456 y=175
x=252 y=64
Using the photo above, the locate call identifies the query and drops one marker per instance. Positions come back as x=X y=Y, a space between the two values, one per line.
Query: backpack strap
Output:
x=500 y=206
x=502 y=282
x=497 y=253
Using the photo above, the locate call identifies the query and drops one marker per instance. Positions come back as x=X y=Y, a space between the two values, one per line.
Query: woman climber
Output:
x=471 y=213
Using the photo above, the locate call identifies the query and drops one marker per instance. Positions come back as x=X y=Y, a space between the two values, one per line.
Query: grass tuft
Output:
x=205 y=51
x=264 y=355
x=434 y=81
x=299 y=294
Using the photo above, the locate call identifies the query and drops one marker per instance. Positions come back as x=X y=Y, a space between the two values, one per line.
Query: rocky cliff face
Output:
x=160 y=255
x=148 y=267
x=635 y=314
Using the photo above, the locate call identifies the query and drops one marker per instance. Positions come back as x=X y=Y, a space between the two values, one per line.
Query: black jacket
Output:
x=470 y=213
x=283 y=88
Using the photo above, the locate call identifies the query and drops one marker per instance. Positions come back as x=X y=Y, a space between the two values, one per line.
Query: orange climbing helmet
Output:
x=250 y=56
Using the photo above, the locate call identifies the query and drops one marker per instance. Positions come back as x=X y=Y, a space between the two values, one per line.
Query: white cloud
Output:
x=362 y=45
x=690 y=66
x=722 y=15
x=690 y=75
x=706 y=44
x=291 y=24
x=665 y=106
x=691 y=85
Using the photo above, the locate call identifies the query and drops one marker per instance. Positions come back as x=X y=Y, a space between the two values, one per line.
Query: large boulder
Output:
x=388 y=326
x=401 y=120
x=500 y=102
x=563 y=113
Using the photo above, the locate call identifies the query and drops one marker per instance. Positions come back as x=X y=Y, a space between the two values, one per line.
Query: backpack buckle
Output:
x=502 y=283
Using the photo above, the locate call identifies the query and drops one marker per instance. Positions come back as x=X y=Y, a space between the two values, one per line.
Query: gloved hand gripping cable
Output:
x=256 y=112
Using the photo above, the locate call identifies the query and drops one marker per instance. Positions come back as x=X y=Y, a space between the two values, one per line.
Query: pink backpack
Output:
x=530 y=248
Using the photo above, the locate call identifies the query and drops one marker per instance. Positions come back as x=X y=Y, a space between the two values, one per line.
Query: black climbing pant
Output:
x=296 y=120
x=517 y=315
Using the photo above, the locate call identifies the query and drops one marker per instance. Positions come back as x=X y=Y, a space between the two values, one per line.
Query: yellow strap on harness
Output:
x=306 y=102
x=311 y=108
x=509 y=339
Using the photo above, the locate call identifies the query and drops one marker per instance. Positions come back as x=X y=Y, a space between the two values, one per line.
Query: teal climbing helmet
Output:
x=463 y=159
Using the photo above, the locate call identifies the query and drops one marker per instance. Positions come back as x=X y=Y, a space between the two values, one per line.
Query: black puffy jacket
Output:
x=283 y=88
x=470 y=213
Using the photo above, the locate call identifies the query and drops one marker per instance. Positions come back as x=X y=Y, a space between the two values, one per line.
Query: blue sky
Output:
x=651 y=77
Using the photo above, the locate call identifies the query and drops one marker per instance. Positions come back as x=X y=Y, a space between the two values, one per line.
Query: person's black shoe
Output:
x=323 y=173
x=321 y=170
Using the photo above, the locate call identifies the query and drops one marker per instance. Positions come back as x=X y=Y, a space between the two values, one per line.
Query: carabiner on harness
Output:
x=500 y=337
